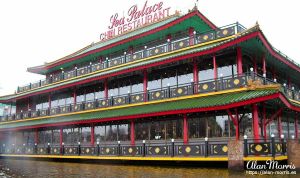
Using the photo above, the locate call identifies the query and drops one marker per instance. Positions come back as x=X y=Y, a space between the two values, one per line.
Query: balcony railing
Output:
x=213 y=85
x=200 y=148
x=148 y=50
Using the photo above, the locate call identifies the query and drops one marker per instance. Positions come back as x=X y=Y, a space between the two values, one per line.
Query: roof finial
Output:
x=196 y=6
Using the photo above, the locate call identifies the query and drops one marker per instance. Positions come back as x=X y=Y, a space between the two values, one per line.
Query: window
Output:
x=159 y=130
x=85 y=135
x=142 y=131
x=71 y=136
x=44 y=137
x=99 y=134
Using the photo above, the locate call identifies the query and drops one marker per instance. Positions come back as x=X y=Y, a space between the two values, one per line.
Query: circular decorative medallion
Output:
x=89 y=105
x=87 y=150
x=69 y=75
x=54 y=150
x=115 y=62
x=134 y=57
x=225 y=32
x=137 y=97
x=156 y=51
x=179 y=91
x=157 y=150
x=236 y=81
x=75 y=107
x=278 y=147
x=103 y=103
x=225 y=149
x=64 y=109
x=157 y=94
x=119 y=100
x=130 y=150
x=205 y=37
x=188 y=149
x=181 y=44
x=98 y=67
x=70 y=150
x=41 y=150
x=258 y=148
x=205 y=87
x=82 y=71
x=107 y=150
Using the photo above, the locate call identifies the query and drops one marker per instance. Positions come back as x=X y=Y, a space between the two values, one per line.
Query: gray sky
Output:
x=33 y=32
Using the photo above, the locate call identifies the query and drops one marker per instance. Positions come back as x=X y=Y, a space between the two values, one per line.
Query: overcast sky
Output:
x=33 y=31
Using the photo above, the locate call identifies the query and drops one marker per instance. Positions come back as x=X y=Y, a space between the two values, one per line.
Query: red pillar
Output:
x=195 y=74
x=264 y=65
x=289 y=84
x=145 y=84
x=130 y=50
x=215 y=67
x=191 y=35
x=239 y=60
x=60 y=136
x=185 y=129
x=132 y=134
x=255 y=121
x=296 y=126
x=74 y=96
x=279 y=125
x=105 y=89
x=28 y=104
x=92 y=134
x=36 y=136
x=237 y=125
x=264 y=121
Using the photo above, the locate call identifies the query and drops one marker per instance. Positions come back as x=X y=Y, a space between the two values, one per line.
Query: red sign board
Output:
x=136 y=17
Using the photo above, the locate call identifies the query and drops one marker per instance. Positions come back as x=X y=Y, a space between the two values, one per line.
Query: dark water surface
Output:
x=33 y=168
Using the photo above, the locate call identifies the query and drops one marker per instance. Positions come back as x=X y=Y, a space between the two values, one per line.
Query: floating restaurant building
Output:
x=178 y=88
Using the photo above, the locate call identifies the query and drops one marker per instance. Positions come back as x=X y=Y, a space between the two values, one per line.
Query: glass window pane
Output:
x=99 y=134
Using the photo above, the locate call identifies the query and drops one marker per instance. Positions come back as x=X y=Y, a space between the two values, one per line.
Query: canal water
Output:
x=41 y=169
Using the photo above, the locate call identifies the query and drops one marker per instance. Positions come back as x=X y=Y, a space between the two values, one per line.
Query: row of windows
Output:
x=169 y=128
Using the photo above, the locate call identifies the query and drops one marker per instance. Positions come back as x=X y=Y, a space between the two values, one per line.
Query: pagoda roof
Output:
x=252 y=38
x=187 y=104
x=202 y=25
